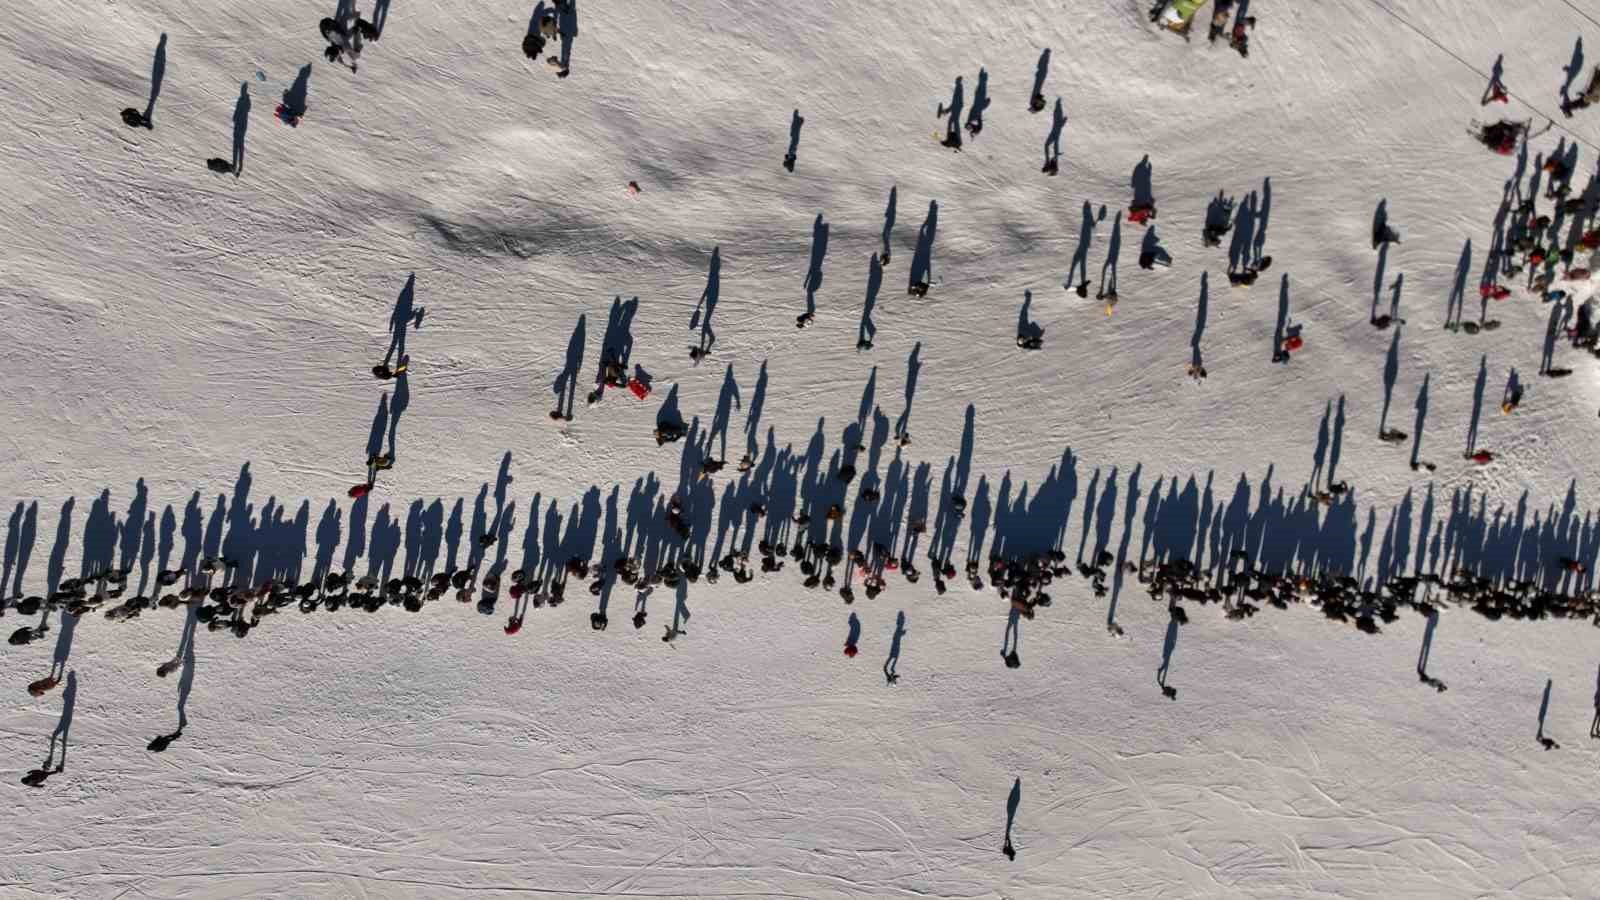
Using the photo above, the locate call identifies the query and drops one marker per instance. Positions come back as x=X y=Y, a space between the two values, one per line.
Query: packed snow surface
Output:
x=173 y=336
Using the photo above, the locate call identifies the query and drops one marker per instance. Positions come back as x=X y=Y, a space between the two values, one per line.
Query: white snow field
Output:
x=172 y=336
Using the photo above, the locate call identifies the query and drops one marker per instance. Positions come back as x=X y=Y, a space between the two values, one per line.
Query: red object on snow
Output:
x=1482 y=457
x=515 y=592
x=1497 y=94
x=1293 y=343
x=639 y=388
x=850 y=650
x=513 y=626
x=1500 y=292
x=1484 y=290
x=360 y=490
x=1139 y=214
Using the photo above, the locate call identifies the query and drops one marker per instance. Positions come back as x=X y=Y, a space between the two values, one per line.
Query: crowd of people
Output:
x=817 y=535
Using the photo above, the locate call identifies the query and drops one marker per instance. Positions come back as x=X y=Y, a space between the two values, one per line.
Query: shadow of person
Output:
x=1030 y=334
x=295 y=98
x=813 y=279
x=569 y=33
x=1151 y=253
x=1144 y=196
x=1167 y=648
x=796 y=121
x=922 y=258
x=1427 y=648
x=888 y=225
x=1108 y=269
x=1594 y=726
x=69 y=700
x=158 y=73
x=185 y=686
x=980 y=102
x=1040 y=70
x=1547 y=743
x=1012 y=802
x=1010 y=638
x=380 y=15
x=703 y=310
x=405 y=314
x=866 y=329
x=565 y=386
x=241 y=122
x=1416 y=428
x=889 y=664
x=952 y=127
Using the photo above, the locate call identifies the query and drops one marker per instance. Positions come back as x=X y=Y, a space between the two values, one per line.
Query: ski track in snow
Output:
x=171 y=325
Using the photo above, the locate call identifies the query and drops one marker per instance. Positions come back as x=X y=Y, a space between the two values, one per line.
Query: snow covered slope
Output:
x=171 y=327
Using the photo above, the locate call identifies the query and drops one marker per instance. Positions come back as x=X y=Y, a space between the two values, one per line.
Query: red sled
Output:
x=1493 y=291
x=639 y=388
x=360 y=490
x=1139 y=215
x=1293 y=343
